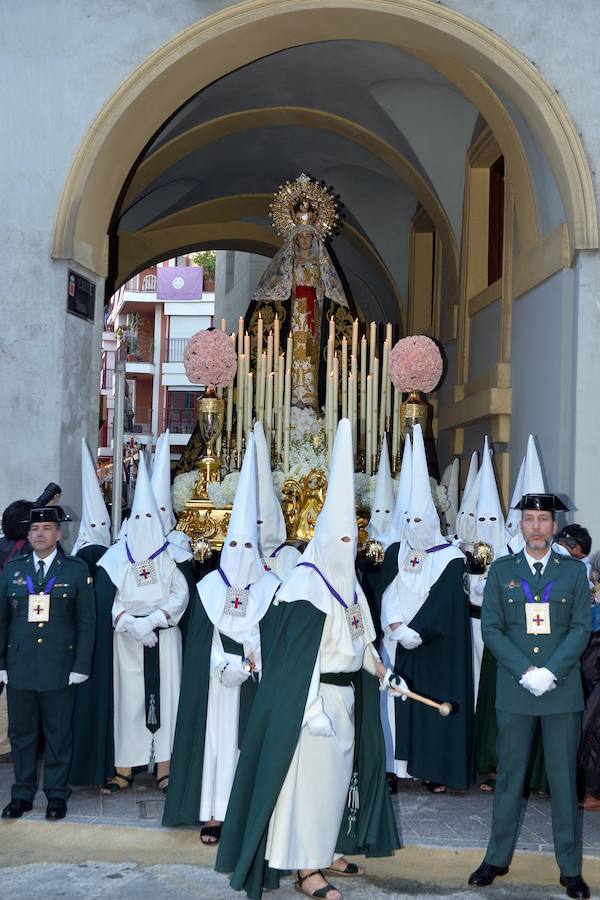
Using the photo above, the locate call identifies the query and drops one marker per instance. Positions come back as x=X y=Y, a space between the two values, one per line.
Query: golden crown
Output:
x=304 y=202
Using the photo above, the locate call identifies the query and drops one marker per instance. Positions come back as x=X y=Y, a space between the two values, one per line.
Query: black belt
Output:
x=474 y=611
x=341 y=679
x=231 y=646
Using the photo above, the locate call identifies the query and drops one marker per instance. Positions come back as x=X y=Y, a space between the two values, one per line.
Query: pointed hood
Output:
x=490 y=518
x=240 y=557
x=145 y=543
x=453 y=488
x=425 y=532
x=465 y=520
x=95 y=520
x=409 y=590
x=514 y=514
x=179 y=543
x=383 y=502
x=271 y=523
x=533 y=483
x=398 y=526
x=332 y=551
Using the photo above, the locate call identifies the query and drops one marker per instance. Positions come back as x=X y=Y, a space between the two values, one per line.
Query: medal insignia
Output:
x=145 y=573
x=538 y=618
x=414 y=562
x=39 y=608
x=355 y=620
x=236 y=601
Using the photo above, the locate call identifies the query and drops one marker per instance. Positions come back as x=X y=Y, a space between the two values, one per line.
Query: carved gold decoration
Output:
x=304 y=202
x=413 y=411
x=210 y=411
x=202 y=521
x=303 y=500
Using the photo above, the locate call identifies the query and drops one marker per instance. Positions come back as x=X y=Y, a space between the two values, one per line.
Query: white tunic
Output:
x=305 y=822
x=133 y=741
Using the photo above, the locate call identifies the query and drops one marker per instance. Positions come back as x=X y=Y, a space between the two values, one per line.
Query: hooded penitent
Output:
x=533 y=483
x=514 y=514
x=383 y=502
x=398 y=525
x=271 y=524
x=332 y=551
x=95 y=520
x=237 y=594
x=453 y=486
x=490 y=526
x=179 y=542
x=140 y=566
x=420 y=563
x=465 y=520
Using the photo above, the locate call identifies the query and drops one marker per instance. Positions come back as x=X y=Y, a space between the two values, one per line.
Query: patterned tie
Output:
x=538 y=566
x=40 y=572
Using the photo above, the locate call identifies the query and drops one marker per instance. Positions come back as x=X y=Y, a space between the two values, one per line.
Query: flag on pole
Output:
x=179 y=282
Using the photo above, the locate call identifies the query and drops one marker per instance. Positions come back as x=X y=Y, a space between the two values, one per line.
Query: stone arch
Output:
x=237 y=35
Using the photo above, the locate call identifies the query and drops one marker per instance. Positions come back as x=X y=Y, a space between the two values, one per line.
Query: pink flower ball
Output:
x=416 y=364
x=210 y=358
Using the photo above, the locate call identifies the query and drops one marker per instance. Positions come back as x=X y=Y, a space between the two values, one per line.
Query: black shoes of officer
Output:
x=485 y=874
x=576 y=886
x=16 y=808
x=57 y=809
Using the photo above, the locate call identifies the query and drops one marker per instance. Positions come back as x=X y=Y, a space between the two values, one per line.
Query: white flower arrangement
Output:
x=222 y=493
x=182 y=490
x=439 y=492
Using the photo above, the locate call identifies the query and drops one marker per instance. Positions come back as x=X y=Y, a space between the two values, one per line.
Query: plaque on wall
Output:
x=81 y=296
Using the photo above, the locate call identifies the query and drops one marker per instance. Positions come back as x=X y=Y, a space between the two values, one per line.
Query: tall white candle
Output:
x=369 y=424
x=269 y=368
x=395 y=426
x=247 y=352
x=269 y=411
x=375 y=402
x=287 y=402
x=259 y=336
x=344 y=377
x=279 y=408
x=336 y=387
x=249 y=396
x=388 y=333
x=351 y=410
x=276 y=333
x=240 y=342
x=354 y=348
x=289 y=354
x=223 y=325
x=384 y=388
x=372 y=346
x=332 y=329
x=363 y=389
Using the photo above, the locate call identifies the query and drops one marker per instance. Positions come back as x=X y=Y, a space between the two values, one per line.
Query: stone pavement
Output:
x=444 y=836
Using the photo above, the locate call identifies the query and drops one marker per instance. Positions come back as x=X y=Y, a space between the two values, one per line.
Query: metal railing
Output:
x=180 y=421
x=174 y=349
x=139 y=421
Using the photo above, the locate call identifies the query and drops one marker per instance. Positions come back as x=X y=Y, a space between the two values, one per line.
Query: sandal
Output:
x=159 y=782
x=488 y=786
x=434 y=786
x=319 y=892
x=210 y=831
x=118 y=782
x=351 y=870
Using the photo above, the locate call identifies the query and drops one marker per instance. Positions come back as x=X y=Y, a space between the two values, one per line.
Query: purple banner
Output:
x=179 y=283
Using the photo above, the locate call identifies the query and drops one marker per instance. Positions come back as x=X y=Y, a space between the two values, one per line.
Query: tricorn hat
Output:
x=542 y=502
x=54 y=514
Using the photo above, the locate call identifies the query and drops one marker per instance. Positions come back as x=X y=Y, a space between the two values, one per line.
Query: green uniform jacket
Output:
x=39 y=656
x=504 y=630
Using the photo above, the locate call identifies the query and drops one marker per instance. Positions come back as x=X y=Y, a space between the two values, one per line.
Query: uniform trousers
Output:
x=560 y=737
x=4 y=741
x=52 y=713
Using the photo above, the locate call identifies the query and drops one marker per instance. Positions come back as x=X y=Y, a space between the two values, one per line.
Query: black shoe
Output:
x=57 y=809
x=16 y=808
x=575 y=885
x=6 y=758
x=485 y=874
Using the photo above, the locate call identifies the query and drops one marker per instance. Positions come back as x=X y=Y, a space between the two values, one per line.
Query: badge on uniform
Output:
x=145 y=572
x=355 y=620
x=236 y=601
x=538 y=618
x=414 y=562
x=39 y=608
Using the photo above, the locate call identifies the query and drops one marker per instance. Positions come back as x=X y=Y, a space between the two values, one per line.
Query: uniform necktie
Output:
x=40 y=572
x=538 y=571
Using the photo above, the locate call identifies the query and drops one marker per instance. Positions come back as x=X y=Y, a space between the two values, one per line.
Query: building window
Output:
x=496 y=220
x=149 y=283
x=229 y=270
x=180 y=414
x=424 y=290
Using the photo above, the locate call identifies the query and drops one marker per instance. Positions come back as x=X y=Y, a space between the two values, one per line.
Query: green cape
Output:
x=268 y=749
x=182 y=806
x=437 y=748
x=93 y=741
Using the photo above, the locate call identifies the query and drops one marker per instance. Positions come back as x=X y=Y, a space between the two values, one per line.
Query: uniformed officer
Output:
x=46 y=644
x=536 y=620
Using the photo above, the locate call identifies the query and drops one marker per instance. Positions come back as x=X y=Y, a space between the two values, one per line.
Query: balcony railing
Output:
x=174 y=349
x=180 y=421
x=139 y=421
x=108 y=378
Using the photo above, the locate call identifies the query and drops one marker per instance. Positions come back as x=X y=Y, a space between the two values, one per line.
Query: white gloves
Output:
x=320 y=725
x=394 y=684
x=145 y=625
x=150 y=639
x=408 y=637
x=538 y=681
x=3 y=676
x=76 y=678
x=232 y=674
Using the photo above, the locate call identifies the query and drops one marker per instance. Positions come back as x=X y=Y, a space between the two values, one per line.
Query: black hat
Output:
x=54 y=514
x=542 y=502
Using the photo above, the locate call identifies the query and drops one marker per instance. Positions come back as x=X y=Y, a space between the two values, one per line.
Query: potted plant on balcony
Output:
x=207 y=259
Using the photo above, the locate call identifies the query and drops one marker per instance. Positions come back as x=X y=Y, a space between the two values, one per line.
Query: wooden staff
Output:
x=444 y=709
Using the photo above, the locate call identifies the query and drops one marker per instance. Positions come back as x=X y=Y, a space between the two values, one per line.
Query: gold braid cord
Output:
x=304 y=202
